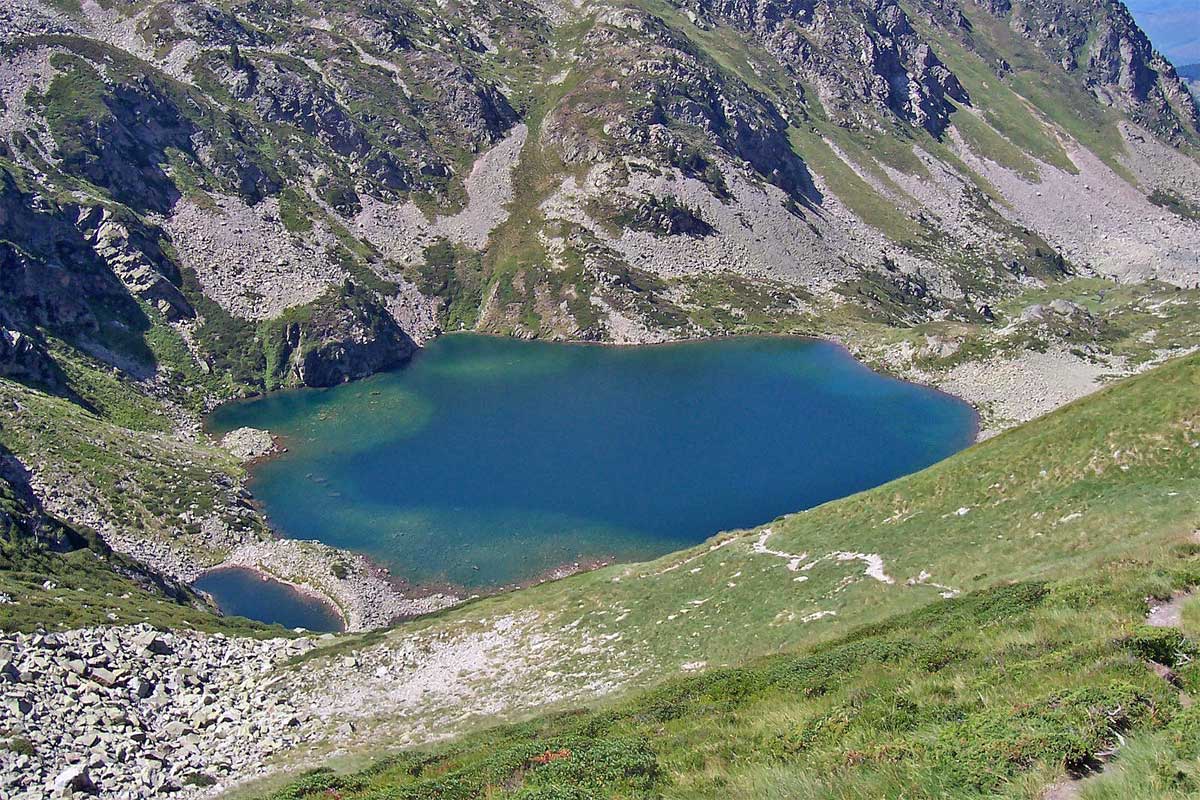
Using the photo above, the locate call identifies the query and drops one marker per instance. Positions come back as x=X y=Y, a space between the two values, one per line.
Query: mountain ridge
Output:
x=208 y=200
x=261 y=233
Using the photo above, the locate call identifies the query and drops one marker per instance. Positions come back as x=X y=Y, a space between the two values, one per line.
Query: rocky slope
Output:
x=135 y=707
x=225 y=163
x=220 y=166
x=1080 y=498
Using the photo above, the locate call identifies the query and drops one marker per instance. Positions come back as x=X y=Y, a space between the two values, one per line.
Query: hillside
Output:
x=45 y=564
x=1000 y=693
x=1031 y=556
x=624 y=172
x=206 y=200
x=202 y=200
x=1089 y=511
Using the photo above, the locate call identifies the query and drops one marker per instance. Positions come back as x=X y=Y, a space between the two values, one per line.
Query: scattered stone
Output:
x=149 y=708
x=74 y=778
x=249 y=444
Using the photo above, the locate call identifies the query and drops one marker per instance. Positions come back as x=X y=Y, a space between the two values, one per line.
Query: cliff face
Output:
x=346 y=335
x=1098 y=42
x=859 y=57
x=222 y=167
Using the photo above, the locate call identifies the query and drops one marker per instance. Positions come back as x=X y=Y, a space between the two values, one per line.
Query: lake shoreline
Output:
x=371 y=585
x=391 y=598
x=371 y=596
x=885 y=367
x=368 y=596
x=304 y=592
x=362 y=592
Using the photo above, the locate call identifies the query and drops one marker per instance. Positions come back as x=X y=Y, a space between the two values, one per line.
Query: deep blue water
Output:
x=246 y=593
x=489 y=461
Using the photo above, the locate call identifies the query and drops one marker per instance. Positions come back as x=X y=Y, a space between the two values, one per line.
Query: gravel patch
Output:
x=402 y=231
x=1012 y=390
x=1097 y=219
x=754 y=234
x=364 y=595
x=249 y=444
x=247 y=261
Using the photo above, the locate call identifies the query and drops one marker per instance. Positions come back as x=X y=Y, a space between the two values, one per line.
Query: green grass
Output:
x=988 y=695
x=106 y=391
x=729 y=304
x=143 y=482
x=83 y=588
x=55 y=576
x=516 y=260
x=1175 y=204
x=983 y=139
x=849 y=187
x=453 y=273
x=75 y=109
x=1055 y=533
x=1162 y=765
x=295 y=211
x=1139 y=323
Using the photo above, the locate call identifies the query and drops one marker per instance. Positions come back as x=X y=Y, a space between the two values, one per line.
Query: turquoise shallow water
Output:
x=490 y=461
x=246 y=593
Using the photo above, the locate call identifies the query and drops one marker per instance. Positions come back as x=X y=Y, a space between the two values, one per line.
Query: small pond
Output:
x=247 y=593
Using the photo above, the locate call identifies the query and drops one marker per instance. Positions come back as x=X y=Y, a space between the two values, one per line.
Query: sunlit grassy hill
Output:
x=970 y=630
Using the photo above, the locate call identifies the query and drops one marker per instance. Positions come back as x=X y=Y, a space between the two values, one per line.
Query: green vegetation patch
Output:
x=54 y=576
x=454 y=274
x=983 y=696
x=1175 y=204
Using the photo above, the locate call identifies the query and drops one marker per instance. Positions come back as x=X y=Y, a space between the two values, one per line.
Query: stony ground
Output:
x=363 y=593
x=134 y=712
x=143 y=710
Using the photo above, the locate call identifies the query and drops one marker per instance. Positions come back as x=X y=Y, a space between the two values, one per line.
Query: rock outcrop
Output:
x=248 y=444
x=347 y=334
x=133 y=253
x=255 y=156
x=857 y=56
x=24 y=359
x=1099 y=42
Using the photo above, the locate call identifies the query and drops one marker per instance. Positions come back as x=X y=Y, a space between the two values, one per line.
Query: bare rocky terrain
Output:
x=134 y=707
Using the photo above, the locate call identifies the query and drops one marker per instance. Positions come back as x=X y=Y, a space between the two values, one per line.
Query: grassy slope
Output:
x=139 y=481
x=1070 y=523
x=989 y=695
x=50 y=591
x=993 y=693
x=118 y=461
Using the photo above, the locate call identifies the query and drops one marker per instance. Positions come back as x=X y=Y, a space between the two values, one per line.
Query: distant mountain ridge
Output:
x=1191 y=76
x=1173 y=26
